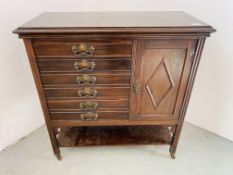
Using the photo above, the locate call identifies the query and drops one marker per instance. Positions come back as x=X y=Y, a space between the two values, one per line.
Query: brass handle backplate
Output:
x=84 y=65
x=137 y=87
x=83 y=50
x=88 y=105
x=87 y=92
x=85 y=79
x=89 y=116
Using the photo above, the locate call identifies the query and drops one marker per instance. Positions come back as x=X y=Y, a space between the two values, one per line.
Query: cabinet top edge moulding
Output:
x=175 y=22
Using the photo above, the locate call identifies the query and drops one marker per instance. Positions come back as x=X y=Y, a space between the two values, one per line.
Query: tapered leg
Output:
x=172 y=152
x=55 y=145
x=57 y=154
x=174 y=141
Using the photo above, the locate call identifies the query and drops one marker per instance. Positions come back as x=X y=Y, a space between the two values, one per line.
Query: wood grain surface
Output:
x=143 y=63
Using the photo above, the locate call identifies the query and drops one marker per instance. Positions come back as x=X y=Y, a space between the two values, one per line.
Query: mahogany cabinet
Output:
x=114 y=78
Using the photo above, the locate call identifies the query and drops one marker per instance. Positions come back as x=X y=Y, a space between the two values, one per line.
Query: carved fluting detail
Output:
x=173 y=130
x=58 y=132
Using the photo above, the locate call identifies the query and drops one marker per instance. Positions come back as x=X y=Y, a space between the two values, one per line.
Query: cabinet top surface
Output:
x=67 y=20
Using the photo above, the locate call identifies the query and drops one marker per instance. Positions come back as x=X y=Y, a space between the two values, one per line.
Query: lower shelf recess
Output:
x=113 y=135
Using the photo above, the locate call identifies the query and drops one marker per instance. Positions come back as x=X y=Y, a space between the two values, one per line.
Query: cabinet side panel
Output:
x=36 y=76
x=192 y=75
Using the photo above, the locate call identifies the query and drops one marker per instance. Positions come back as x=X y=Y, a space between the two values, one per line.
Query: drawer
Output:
x=93 y=92
x=85 y=79
x=82 y=48
x=84 y=66
x=84 y=104
x=97 y=115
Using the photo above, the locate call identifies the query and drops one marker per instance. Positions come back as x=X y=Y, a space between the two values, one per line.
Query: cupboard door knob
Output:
x=137 y=87
x=83 y=50
x=84 y=66
x=87 y=92
x=85 y=79
x=89 y=116
x=88 y=105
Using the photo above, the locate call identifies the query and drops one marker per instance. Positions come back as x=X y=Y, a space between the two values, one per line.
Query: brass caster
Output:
x=173 y=156
x=59 y=157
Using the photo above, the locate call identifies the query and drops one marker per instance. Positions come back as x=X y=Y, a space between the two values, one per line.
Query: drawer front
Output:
x=87 y=116
x=77 y=76
x=94 y=92
x=82 y=48
x=85 y=104
x=85 y=79
x=84 y=66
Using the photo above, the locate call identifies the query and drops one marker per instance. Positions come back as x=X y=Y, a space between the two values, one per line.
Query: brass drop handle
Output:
x=87 y=92
x=83 y=50
x=88 y=105
x=137 y=86
x=89 y=116
x=85 y=79
x=84 y=66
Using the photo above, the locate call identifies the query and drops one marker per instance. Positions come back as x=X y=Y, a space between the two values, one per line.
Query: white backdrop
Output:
x=211 y=105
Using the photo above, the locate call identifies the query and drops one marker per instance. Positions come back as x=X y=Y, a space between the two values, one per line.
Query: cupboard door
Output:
x=161 y=71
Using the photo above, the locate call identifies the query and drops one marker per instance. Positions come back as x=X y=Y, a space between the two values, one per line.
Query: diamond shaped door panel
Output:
x=159 y=84
x=162 y=77
x=161 y=64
